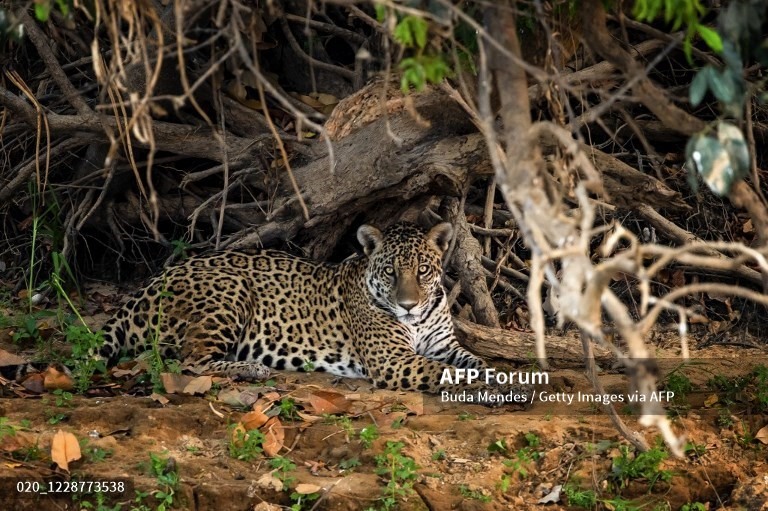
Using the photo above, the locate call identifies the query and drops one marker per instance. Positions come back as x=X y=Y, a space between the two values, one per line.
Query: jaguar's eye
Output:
x=423 y=269
x=389 y=270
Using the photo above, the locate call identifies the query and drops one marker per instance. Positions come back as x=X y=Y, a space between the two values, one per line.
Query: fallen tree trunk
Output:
x=488 y=342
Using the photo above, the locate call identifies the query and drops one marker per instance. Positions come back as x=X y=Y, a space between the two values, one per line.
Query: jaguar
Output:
x=383 y=315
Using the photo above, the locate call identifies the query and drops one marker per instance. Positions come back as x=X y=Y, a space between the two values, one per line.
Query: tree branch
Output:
x=41 y=43
x=600 y=40
x=180 y=139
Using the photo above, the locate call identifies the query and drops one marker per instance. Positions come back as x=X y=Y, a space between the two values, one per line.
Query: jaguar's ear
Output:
x=369 y=237
x=441 y=235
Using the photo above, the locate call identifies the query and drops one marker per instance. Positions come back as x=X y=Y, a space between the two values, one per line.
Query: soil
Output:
x=468 y=456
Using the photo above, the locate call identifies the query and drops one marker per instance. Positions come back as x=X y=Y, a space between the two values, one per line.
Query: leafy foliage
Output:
x=245 y=445
x=723 y=160
x=644 y=465
x=679 y=13
x=400 y=471
x=578 y=497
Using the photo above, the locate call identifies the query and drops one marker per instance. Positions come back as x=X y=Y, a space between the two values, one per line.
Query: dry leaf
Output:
x=183 y=384
x=159 y=398
x=230 y=397
x=17 y=441
x=53 y=379
x=238 y=435
x=236 y=89
x=326 y=402
x=325 y=99
x=65 y=448
x=711 y=400
x=175 y=383
x=307 y=417
x=249 y=396
x=309 y=101
x=119 y=373
x=274 y=436
x=307 y=489
x=199 y=385
x=272 y=396
x=762 y=435
x=314 y=466
x=269 y=481
x=253 y=420
x=265 y=402
x=9 y=359
x=678 y=278
x=34 y=383
x=266 y=506
x=698 y=319
x=716 y=327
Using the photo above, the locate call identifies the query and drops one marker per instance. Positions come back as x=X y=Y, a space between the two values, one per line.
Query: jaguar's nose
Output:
x=407 y=304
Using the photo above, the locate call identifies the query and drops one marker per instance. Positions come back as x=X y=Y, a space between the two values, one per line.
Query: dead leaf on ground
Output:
x=762 y=435
x=249 y=396
x=230 y=397
x=17 y=441
x=65 y=448
x=175 y=383
x=269 y=481
x=272 y=396
x=131 y=368
x=265 y=402
x=254 y=420
x=199 y=385
x=9 y=359
x=238 y=435
x=159 y=398
x=307 y=489
x=274 y=436
x=711 y=400
x=414 y=401
x=314 y=466
x=266 y=506
x=307 y=417
x=184 y=384
x=34 y=383
x=53 y=379
x=326 y=402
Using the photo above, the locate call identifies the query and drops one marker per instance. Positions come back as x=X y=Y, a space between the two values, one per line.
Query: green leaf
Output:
x=420 y=29
x=381 y=12
x=688 y=49
x=410 y=31
x=732 y=56
x=723 y=86
x=403 y=34
x=711 y=37
x=413 y=74
x=669 y=11
x=63 y=6
x=42 y=10
x=699 y=86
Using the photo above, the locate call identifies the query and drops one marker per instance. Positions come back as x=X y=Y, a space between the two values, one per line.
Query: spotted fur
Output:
x=384 y=316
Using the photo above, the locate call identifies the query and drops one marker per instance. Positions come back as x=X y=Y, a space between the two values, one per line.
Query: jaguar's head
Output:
x=404 y=267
